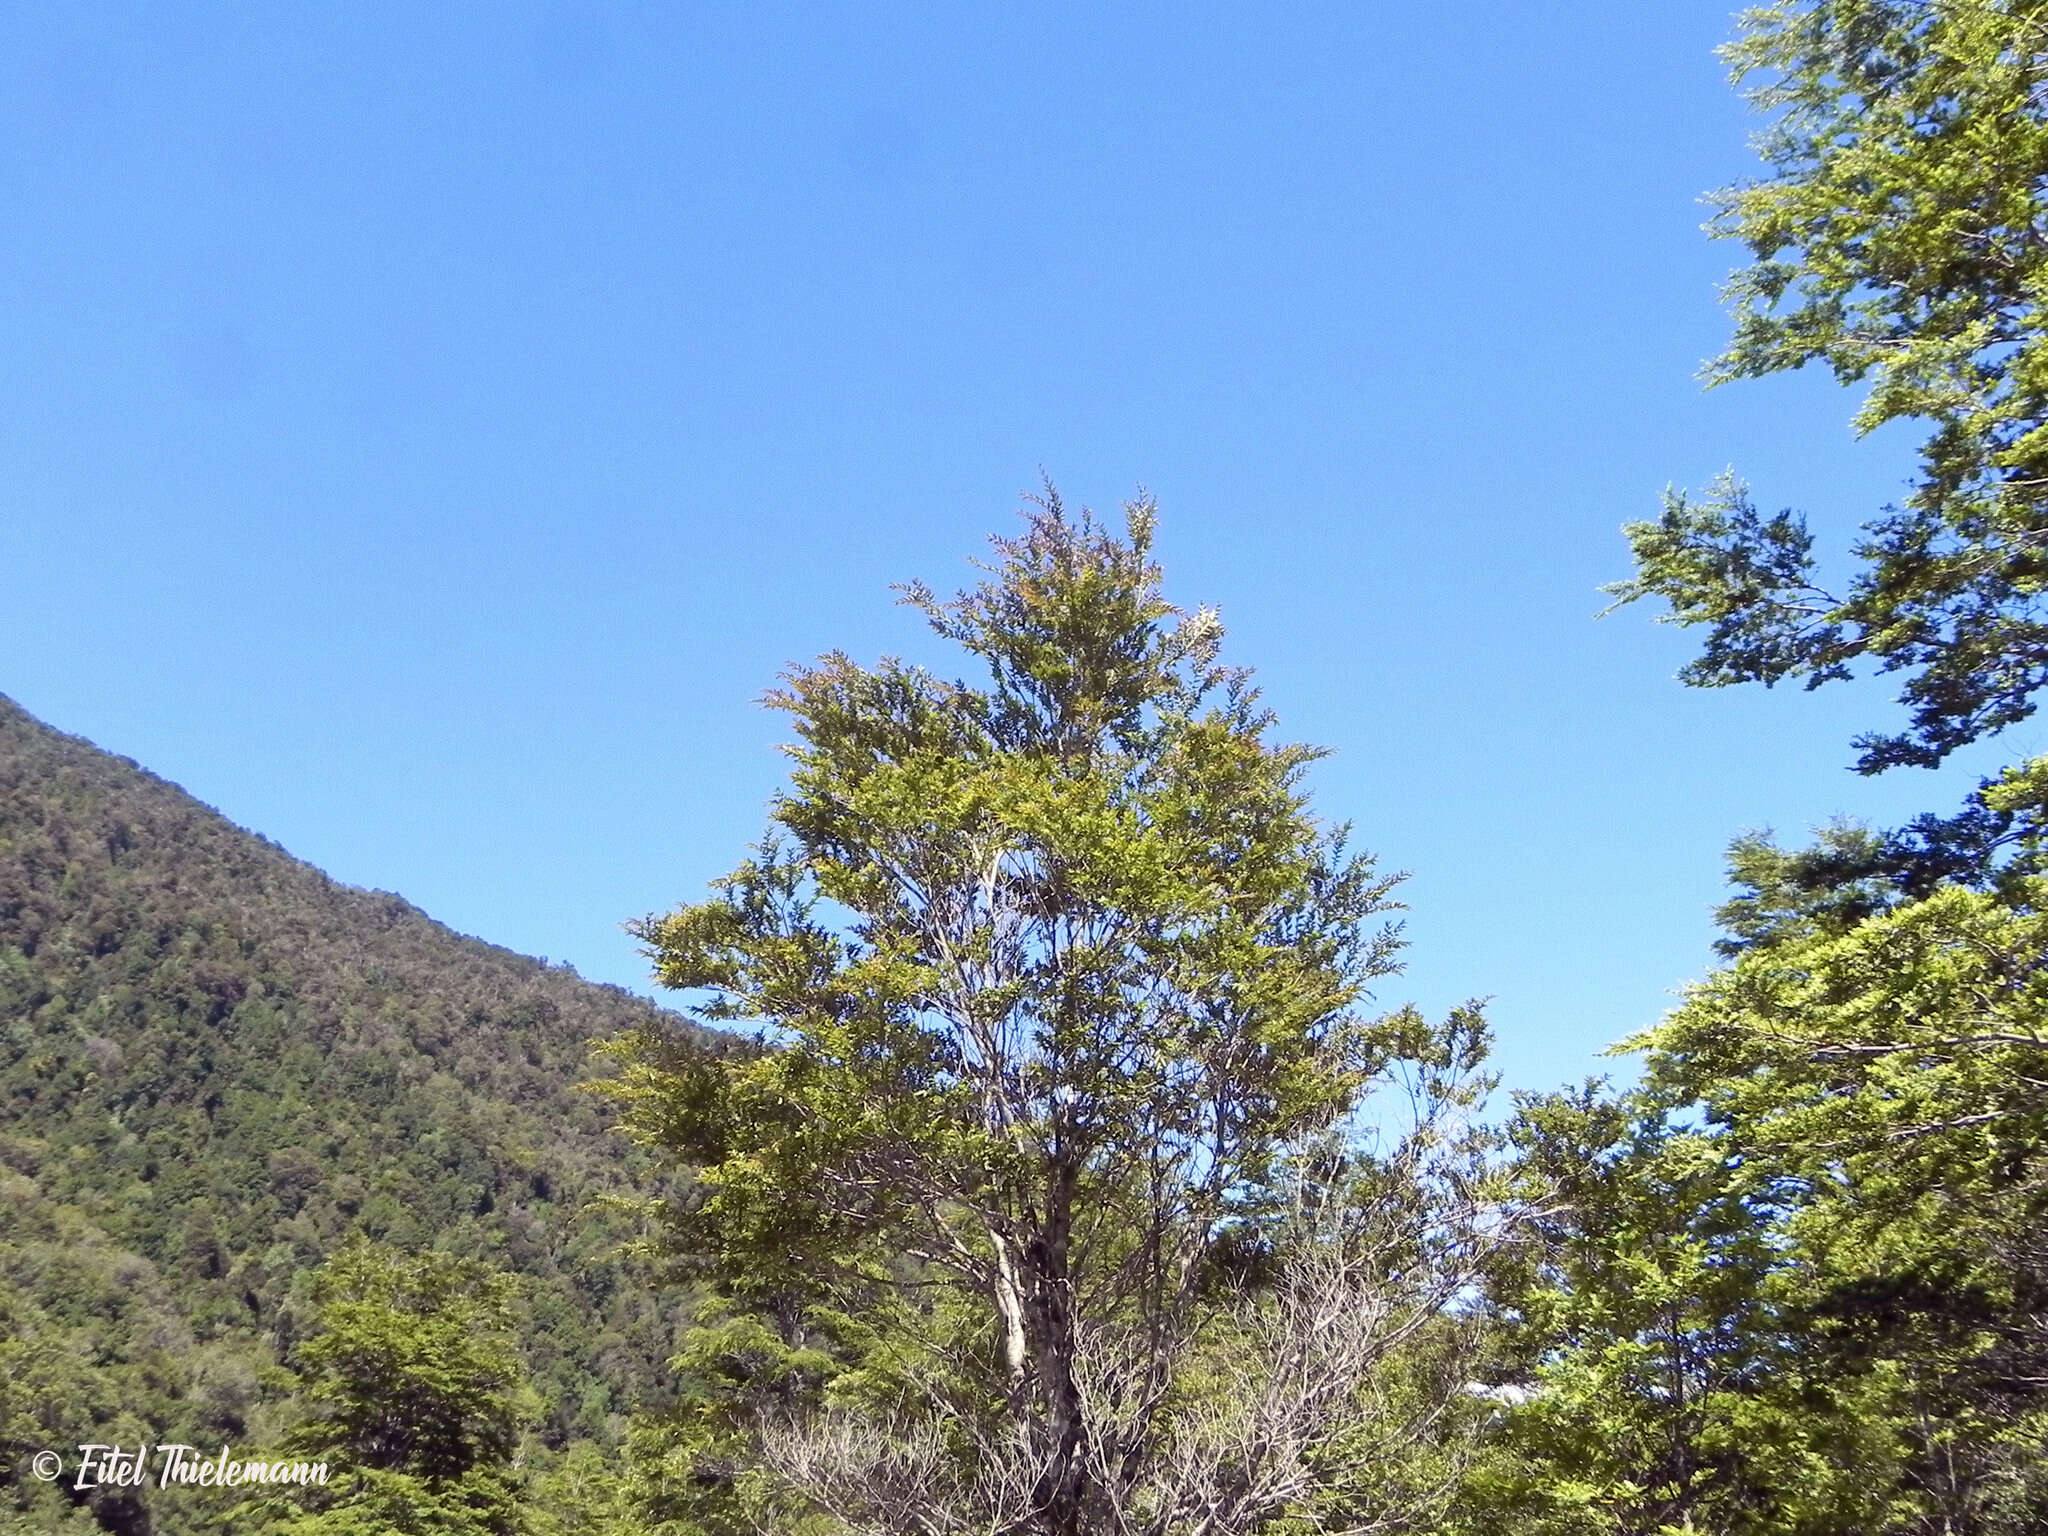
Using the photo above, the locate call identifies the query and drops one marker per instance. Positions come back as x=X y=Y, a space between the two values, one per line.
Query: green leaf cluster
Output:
x=415 y=1399
x=1899 y=239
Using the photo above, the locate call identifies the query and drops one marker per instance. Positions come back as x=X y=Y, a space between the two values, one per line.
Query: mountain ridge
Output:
x=215 y=1062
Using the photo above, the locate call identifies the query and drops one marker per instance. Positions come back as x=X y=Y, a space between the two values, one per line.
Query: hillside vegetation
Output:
x=215 y=1062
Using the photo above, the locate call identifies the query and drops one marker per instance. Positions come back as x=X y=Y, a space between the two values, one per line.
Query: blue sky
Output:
x=429 y=430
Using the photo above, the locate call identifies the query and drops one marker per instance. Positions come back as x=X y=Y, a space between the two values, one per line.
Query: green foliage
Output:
x=1926 y=1019
x=583 y=1492
x=1824 y=1306
x=415 y=1396
x=1995 y=845
x=93 y=1348
x=370 y=1502
x=1898 y=240
x=1667 y=1376
x=215 y=1064
x=1800 y=1284
x=1056 y=970
x=412 y=1366
x=1896 y=1076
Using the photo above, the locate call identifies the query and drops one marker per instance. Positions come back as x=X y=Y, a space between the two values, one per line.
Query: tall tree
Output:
x=1892 y=1080
x=1059 y=981
x=1864 y=1083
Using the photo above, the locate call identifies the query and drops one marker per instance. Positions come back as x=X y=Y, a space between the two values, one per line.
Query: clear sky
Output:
x=429 y=429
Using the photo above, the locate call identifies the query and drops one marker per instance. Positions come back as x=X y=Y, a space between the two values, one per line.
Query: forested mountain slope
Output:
x=214 y=1062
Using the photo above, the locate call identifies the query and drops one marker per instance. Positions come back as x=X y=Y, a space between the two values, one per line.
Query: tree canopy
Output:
x=1058 y=981
x=415 y=1398
x=1846 y=1125
x=1901 y=239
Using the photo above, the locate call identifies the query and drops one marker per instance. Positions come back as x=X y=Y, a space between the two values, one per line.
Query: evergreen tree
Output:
x=1014 y=1223
x=1845 y=1128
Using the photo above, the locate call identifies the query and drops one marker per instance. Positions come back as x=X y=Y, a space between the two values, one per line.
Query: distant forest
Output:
x=216 y=1063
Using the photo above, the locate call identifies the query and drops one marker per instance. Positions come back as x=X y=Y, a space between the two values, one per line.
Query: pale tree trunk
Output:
x=1334 y=1395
